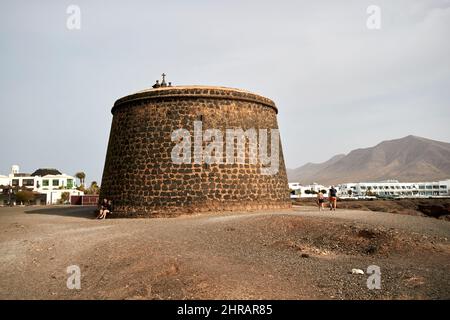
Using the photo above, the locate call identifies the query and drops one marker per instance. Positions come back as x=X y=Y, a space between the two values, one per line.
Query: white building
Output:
x=393 y=188
x=306 y=191
x=45 y=181
x=389 y=188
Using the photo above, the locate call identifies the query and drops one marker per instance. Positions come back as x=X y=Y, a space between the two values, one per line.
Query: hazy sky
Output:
x=338 y=85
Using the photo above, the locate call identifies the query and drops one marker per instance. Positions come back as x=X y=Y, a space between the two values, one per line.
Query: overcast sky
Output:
x=338 y=85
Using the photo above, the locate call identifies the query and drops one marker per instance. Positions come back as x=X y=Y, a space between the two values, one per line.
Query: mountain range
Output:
x=409 y=159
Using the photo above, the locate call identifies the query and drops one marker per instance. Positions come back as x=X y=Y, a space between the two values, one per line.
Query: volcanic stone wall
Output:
x=140 y=176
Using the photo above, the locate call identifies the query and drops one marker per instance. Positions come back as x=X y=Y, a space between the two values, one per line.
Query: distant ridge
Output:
x=410 y=158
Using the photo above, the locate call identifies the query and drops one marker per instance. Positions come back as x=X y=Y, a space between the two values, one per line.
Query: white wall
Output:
x=4 y=180
x=53 y=196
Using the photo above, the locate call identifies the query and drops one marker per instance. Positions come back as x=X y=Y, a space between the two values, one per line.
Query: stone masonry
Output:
x=140 y=176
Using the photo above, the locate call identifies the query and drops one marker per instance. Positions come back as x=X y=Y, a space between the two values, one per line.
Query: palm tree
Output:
x=81 y=176
x=94 y=188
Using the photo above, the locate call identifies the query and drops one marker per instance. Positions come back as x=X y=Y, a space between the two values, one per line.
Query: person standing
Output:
x=333 y=198
x=320 y=200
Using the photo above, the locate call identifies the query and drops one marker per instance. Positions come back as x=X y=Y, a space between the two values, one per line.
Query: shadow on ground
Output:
x=87 y=212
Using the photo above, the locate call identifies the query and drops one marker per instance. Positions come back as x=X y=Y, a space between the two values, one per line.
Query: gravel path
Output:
x=291 y=254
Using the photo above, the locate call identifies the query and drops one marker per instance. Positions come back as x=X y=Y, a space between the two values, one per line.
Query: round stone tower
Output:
x=183 y=149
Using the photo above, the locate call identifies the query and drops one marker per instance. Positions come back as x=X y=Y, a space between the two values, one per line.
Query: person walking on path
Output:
x=333 y=198
x=320 y=200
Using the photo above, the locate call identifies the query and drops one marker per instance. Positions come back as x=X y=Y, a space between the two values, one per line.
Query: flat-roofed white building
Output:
x=388 y=188
x=393 y=188
x=306 y=191
x=45 y=181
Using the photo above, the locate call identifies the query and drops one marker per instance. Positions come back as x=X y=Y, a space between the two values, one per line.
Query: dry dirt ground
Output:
x=437 y=207
x=292 y=254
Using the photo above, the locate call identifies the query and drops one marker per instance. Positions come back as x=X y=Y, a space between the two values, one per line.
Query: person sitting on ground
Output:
x=107 y=210
x=320 y=200
x=110 y=207
x=333 y=198
x=103 y=207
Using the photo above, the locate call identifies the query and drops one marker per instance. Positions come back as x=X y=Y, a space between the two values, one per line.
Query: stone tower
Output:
x=156 y=161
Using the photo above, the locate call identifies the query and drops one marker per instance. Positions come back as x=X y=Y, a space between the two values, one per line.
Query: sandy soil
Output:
x=292 y=254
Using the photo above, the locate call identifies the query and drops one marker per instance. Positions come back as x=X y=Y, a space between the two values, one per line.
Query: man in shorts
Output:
x=332 y=193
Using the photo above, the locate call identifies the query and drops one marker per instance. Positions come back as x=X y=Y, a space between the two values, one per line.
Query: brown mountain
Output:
x=408 y=159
